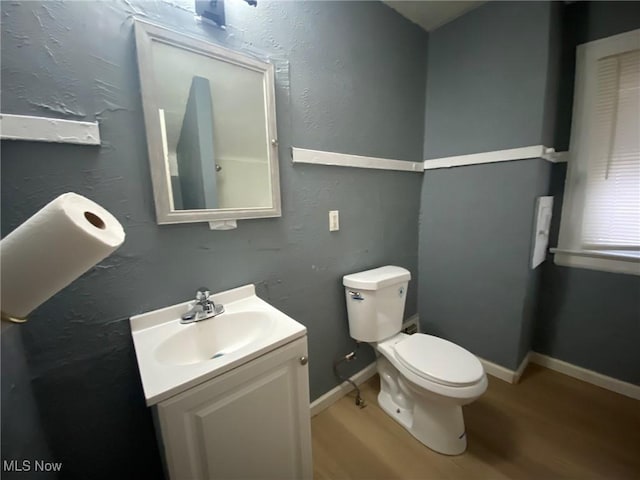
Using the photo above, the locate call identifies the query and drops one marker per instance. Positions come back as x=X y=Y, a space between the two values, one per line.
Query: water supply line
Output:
x=347 y=358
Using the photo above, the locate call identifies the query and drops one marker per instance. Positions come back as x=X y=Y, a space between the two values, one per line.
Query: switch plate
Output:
x=544 y=210
x=334 y=220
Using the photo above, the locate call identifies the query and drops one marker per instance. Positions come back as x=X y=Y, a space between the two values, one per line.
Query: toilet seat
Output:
x=438 y=360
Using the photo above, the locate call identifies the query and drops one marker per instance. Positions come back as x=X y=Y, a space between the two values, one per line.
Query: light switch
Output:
x=334 y=221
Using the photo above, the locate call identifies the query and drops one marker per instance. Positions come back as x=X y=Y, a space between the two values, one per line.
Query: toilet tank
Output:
x=375 y=302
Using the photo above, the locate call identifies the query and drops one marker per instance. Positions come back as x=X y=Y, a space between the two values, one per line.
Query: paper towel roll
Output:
x=52 y=248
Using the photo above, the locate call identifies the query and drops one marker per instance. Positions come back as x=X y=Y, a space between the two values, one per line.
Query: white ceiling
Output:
x=431 y=15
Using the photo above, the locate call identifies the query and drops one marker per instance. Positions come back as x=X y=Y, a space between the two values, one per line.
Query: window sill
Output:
x=615 y=262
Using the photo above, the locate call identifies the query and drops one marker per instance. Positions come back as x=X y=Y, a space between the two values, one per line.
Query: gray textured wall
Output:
x=552 y=114
x=586 y=317
x=487 y=89
x=539 y=184
x=22 y=434
x=356 y=85
x=475 y=284
x=487 y=79
x=475 y=237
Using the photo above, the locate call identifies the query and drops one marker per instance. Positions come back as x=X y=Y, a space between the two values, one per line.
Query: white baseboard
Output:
x=503 y=373
x=413 y=319
x=523 y=365
x=335 y=394
x=589 y=376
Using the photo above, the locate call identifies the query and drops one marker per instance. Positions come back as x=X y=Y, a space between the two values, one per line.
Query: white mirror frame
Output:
x=147 y=33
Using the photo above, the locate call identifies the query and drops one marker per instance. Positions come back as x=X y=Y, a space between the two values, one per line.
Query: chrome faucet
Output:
x=203 y=308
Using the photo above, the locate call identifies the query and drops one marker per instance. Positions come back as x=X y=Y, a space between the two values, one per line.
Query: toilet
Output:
x=424 y=380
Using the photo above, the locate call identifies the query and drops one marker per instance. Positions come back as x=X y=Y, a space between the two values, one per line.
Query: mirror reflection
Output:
x=213 y=122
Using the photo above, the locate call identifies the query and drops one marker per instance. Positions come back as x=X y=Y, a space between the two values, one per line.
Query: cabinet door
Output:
x=252 y=422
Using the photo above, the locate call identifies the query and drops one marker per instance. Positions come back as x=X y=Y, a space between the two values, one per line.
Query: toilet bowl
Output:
x=425 y=396
x=424 y=380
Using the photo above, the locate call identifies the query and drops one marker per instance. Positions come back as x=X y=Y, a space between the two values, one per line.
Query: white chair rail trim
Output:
x=522 y=153
x=317 y=157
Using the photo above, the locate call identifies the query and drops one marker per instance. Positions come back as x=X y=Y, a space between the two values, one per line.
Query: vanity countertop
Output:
x=173 y=357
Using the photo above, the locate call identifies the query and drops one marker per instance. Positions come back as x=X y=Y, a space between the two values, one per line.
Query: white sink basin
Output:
x=213 y=338
x=173 y=357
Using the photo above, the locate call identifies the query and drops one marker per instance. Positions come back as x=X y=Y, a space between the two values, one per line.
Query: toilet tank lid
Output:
x=377 y=278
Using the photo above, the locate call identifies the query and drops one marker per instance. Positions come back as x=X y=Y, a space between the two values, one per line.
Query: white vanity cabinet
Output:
x=248 y=423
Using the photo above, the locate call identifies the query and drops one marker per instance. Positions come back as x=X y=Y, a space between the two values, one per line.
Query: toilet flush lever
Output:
x=355 y=295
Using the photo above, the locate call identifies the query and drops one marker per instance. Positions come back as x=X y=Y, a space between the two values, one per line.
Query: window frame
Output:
x=570 y=251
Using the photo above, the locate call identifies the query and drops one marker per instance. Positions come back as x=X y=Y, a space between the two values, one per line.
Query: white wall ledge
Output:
x=522 y=153
x=44 y=129
x=317 y=157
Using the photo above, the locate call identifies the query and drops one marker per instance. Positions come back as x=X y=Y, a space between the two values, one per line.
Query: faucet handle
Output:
x=203 y=293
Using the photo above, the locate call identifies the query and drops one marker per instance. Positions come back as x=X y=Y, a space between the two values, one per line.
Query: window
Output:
x=600 y=225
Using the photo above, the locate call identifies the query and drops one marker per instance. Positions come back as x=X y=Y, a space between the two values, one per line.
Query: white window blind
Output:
x=611 y=215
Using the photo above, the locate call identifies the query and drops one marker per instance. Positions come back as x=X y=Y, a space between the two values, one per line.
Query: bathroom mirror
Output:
x=211 y=129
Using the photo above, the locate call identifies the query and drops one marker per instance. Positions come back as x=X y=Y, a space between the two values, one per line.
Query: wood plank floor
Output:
x=548 y=426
